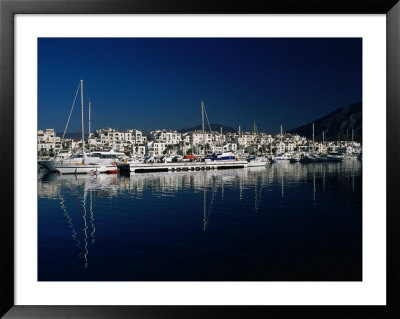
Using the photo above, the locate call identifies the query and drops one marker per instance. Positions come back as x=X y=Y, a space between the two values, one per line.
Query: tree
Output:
x=168 y=149
x=181 y=144
x=43 y=152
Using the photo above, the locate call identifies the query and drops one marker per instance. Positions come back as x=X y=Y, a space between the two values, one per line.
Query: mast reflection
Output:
x=255 y=186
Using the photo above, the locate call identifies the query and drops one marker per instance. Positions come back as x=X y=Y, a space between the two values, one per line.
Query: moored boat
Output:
x=84 y=166
x=256 y=161
x=281 y=158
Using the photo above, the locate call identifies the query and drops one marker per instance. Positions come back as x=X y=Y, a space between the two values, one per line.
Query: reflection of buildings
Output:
x=168 y=183
x=208 y=183
x=251 y=188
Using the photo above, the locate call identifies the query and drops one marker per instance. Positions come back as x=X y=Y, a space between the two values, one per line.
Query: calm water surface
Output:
x=296 y=222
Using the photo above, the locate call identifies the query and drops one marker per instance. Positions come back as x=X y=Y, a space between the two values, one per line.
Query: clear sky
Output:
x=152 y=83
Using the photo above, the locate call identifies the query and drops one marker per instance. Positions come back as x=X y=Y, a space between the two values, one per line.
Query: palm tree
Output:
x=181 y=144
x=168 y=149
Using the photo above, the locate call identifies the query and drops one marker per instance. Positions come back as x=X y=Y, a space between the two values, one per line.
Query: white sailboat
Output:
x=282 y=157
x=62 y=155
x=83 y=167
x=257 y=161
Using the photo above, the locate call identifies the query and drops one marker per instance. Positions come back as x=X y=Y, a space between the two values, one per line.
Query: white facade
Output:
x=167 y=137
x=172 y=142
x=47 y=141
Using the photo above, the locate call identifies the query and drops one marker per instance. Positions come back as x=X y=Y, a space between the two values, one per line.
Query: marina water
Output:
x=281 y=222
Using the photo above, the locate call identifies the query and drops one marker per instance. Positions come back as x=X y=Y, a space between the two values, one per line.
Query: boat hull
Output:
x=80 y=169
x=50 y=165
x=280 y=161
x=256 y=164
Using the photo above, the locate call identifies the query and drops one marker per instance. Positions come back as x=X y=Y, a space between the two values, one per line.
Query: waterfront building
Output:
x=172 y=142
x=47 y=142
x=166 y=136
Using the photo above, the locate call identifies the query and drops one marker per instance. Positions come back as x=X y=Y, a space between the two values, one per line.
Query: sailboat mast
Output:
x=202 y=123
x=221 y=139
x=313 y=137
x=83 y=131
x=90 y=105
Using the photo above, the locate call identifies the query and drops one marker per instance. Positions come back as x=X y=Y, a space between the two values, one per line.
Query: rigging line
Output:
x=70 y=113
x=205 y=112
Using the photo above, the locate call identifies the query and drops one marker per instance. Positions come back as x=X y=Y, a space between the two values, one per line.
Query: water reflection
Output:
x=253 y=188
x=166 y=184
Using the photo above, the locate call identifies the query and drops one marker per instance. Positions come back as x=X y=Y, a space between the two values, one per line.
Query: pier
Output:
x=181 y=166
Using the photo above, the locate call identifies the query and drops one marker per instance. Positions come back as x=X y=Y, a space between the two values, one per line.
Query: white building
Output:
x=48 y=142
x=166 y=136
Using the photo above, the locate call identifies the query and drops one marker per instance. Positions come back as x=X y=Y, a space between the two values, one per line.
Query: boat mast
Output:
x=280 y=146
x=313 y=146
x=90 y=104
x=222 y=143
x=202 y=123
x=83 y=131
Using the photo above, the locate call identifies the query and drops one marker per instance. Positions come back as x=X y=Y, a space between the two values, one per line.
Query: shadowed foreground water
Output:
x=284 y=222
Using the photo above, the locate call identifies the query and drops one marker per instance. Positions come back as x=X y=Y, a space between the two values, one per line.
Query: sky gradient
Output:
x=158 y=83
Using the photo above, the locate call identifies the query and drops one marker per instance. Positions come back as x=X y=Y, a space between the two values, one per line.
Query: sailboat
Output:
x=220 y=158
x=83 y=167
x=312 y=156
x=283 y=157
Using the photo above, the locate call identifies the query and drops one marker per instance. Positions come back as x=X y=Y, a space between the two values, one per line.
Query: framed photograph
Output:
x=188 y=160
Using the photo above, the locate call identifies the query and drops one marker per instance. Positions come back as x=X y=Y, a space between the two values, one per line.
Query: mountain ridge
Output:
x=337 y=125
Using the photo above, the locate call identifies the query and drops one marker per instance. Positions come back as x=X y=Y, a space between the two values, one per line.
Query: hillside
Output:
x=337 y=125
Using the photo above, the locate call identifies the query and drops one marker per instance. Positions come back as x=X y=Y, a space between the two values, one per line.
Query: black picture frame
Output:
x=9 y=8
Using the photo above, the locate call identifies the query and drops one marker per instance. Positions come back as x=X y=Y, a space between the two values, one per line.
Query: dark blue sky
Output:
x=159 y=83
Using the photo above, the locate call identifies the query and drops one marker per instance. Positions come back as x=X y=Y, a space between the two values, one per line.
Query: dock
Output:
x=180 y=166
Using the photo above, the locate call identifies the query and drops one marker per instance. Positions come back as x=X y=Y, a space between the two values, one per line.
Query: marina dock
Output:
x=180 y=166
